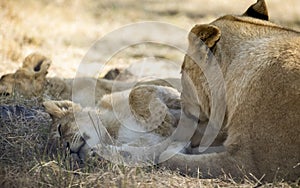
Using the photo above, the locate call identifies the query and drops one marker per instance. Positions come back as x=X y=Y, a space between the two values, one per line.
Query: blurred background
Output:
x=65 y=29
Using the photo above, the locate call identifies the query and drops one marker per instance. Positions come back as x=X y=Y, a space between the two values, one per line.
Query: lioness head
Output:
x=212 y=42
x=213 y=46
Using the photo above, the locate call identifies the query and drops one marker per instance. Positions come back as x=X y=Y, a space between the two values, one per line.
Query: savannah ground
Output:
x=64 y=30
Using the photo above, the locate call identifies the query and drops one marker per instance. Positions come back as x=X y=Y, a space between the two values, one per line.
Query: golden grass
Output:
x=64 y=30
x=27 y=160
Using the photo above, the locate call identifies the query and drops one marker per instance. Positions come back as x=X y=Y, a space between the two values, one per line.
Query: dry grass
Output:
x=27 y=161
x=64 y=30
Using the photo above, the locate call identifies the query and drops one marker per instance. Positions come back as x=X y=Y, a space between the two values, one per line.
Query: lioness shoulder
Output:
x=259 y=64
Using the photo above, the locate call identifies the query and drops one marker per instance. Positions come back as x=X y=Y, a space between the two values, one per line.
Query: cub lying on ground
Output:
x=134 y=123
x=30 y=81
x=260 y=63
x=156 y=123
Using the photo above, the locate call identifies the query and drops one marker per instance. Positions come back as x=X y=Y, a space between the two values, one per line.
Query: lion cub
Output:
x=133 y=123
x=29 y=80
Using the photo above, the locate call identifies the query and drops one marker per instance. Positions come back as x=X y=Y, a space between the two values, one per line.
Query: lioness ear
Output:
x=209 y=34
x=258 y=10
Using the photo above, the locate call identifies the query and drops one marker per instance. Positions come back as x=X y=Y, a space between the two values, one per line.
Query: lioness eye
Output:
x=190 y=115
x=59 y=130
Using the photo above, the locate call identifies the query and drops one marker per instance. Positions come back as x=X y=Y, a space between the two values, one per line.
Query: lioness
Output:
x=260 y=63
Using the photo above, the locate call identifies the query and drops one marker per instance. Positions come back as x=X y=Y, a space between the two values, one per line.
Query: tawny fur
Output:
x=30 y=81
x=260 y=63
x=121 y=117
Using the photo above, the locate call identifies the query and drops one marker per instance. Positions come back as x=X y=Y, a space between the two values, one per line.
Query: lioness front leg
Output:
x=210 y=165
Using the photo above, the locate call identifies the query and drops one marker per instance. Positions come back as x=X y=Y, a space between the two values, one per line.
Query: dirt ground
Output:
x=65 y=30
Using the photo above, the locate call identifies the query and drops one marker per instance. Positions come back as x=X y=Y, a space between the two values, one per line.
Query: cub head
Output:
x=29 y=80
x=65 y=134
x=36 y=64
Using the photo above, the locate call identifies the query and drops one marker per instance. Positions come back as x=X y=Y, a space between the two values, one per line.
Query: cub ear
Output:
x=209 y=34
x=258 y=10
x=36 y=63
